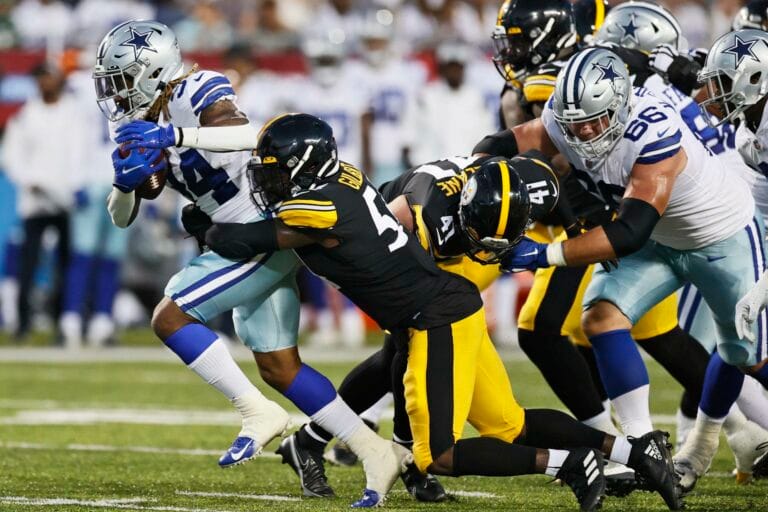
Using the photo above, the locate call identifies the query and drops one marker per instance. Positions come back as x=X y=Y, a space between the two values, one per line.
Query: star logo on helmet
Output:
x=140 y=42
x=608 y=73
x=741 y=49
x=629 y=30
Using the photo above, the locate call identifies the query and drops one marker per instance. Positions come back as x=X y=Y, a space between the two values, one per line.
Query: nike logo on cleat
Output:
x=714 y=258
x=236 y=456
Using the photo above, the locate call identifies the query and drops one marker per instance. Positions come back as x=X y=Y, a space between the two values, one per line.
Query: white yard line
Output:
x=111 y=448
x=124 y=504
x=263 y=497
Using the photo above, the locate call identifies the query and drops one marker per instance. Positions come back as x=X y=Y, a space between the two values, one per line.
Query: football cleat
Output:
x=582 y=470
x=620 y=480
x=652 y=461
x=760 y=467
x=370 y=499
x=687 y=474
x=341 y=455
x=423 y=487
x=308 y=466
x=242 y=450
x=748 y=444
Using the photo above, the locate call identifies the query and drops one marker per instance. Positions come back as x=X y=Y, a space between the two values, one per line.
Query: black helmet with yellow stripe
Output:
x=529 y=33
x=293 y=150
x=494 y=210
x=589 y=16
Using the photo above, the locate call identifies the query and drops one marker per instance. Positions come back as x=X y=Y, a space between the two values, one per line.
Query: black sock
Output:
x=310 y=443
x=548 y=428
x=682 y=356
x=401 y=430
x=564 y=370
x=486 y=456
x=689 y=406
x=589 y=357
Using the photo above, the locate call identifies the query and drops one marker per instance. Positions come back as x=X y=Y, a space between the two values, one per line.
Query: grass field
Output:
x=146 y=436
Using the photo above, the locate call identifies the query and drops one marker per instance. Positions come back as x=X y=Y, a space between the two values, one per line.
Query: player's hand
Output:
x=134 y=169
x=526 y=255
x=196 y=222
x=662 y=57
x=699 y=55
x=748 y=309
x=144 y=134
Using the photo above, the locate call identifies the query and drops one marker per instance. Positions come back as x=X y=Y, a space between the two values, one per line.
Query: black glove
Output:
x=196 y=222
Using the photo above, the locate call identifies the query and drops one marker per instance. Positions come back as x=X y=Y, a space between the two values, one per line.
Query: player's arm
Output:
x=401 y=209
x=521 y=138
x=244 y=241
x=644 y=201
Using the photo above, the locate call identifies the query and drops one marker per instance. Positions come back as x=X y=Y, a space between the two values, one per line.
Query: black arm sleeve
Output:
x=242 y=241
x=501 y=143
x=632 y=227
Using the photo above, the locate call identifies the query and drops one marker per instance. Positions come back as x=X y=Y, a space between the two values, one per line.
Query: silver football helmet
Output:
x=591 y=102
x=752 y=15
x=641 y=26
x=134 y=63
x=736 y=73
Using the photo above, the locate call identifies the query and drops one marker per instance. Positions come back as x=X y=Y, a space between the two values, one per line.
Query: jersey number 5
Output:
x=384 y=222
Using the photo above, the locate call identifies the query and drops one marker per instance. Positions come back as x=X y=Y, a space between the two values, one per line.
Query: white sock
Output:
x=602 y=422
x=753 y=402
x=216 y=367
x=373 y=413
x=338 y=419
x=684 y=427
x=621 y=450
x=734 y=421
x=555 y=462
x=700 y=447
x=633 y=412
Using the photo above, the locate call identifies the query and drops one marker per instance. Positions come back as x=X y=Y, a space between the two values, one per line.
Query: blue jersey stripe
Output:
x=662 y=143
x=647 y=160
x=213 y=97
x=207 y=87
x=210 y=277
x=228 y=284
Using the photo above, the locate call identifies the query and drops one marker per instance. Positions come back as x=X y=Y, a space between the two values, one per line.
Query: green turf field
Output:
x=146 y=436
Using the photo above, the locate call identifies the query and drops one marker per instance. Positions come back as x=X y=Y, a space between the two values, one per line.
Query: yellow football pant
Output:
x=455 y=375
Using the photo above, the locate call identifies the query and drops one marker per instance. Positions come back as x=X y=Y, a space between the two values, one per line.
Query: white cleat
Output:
x=267 y=423
x=383 y=469
x=694 y=459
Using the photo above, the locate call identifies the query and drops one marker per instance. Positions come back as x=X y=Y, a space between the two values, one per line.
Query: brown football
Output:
x=155 y=183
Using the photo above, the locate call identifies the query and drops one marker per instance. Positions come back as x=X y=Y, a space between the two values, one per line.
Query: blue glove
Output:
x=143 y=134
x=133 y=170
x=526 y=255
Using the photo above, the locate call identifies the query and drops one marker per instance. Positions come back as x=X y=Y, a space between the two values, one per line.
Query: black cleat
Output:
x=341 y=454
x=309 y=466
x=583 y=472
x=620 y=481
x=760 y=467
x=424 y=488
x=652 y=461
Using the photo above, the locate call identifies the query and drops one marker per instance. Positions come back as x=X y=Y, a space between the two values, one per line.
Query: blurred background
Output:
x=402 y=82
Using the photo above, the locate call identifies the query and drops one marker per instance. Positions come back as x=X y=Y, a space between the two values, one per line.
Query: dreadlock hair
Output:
x=161 y=103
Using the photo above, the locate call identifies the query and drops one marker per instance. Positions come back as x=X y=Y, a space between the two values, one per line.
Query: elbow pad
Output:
x=502 y=143
x=120 y=207
x=632 y=228
x=242 y=241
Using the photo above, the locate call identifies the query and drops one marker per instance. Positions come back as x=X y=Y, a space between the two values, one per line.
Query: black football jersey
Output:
x=368 y=254
x=433 y=191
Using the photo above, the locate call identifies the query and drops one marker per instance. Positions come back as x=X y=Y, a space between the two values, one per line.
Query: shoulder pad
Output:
x=308 y=210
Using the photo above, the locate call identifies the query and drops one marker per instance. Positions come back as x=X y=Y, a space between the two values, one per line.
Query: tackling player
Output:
x=138 y=74
x=341 y=229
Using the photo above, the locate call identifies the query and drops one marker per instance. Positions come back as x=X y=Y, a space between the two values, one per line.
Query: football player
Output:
x=138 y=74
x=753 y=15
x=675 y=222
x=737 y=86
x=341 y=228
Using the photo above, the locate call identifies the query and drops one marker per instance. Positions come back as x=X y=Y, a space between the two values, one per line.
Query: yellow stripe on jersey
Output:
x=539 y=87
x=303 y=214
x=504 y=199
x=310 y=202
x=421 y=229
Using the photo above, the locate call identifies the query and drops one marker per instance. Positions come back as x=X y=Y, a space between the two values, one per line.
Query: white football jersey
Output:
x=754 y=146
x=216 y=182
x=722 y=141
x=706 y=205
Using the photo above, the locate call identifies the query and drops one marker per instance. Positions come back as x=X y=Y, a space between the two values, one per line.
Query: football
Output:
x=155 y=183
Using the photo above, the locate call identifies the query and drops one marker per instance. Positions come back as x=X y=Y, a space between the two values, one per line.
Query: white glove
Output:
x=660 y=58
x=749 y=307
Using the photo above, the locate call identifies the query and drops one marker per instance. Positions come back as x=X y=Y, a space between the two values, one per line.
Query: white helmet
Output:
x=134 y=63
x=736 y=73
x=641 y=26
x=594 y=85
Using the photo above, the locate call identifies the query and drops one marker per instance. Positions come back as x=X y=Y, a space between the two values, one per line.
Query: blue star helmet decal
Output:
x=629 y=29
x=741 y=49
x=140 y=42
x=608 y=73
